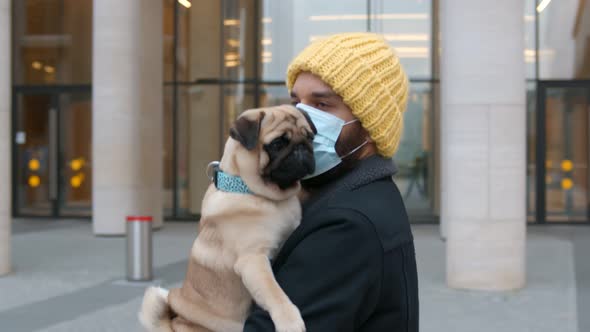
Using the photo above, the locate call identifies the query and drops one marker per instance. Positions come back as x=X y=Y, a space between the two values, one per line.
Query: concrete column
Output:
x=127 y=107
x=483 y=127
x=5 y=156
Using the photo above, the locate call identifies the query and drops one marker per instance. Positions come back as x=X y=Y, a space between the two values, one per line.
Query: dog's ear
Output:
x=246 y=130
x=313 y=128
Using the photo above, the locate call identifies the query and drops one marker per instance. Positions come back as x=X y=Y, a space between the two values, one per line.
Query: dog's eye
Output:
x=279 y=142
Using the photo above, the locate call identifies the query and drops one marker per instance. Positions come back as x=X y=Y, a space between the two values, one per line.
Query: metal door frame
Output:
x=54 y=91
x=541 y=146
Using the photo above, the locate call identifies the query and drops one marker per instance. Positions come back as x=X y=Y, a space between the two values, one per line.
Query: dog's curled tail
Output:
x=155 y=314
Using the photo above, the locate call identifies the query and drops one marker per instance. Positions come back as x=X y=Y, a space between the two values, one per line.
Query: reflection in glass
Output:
x=33 y=166
x=407 y=25
x=52 y=41
x=531 y=141
x=168 y=117
x=233 y=55
x=567 y=154
x=198 y=143
x=416 y=151
x=240 y=29
x=288 y=26
x=272 y=95
x=530 y=39
x=564 y=31
x=168 y=35
x=236 y=99
x=76 y=133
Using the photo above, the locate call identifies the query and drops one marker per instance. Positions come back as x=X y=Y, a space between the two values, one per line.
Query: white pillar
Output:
x=5 y=156
x=127 y=87
x=483 y=153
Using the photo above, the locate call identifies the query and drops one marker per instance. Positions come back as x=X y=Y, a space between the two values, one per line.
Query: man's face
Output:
x=311 y=90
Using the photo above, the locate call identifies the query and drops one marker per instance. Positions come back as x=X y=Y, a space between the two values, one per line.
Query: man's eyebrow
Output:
x=324 y=94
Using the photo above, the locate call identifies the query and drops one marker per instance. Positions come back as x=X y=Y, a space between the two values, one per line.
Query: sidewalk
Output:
x=68 y=280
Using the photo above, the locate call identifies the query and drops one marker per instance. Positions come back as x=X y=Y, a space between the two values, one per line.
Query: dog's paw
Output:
x=288 y=319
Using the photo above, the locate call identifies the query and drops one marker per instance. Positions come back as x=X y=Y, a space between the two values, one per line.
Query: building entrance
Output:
x=563 y=152
x=51 y=135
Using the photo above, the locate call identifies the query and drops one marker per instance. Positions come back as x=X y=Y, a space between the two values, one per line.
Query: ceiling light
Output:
x=185 y=3
x=230 y=22
x=364 y=17
x=541 y=7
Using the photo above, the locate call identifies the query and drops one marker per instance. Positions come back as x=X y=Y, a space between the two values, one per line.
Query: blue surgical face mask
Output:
x=324 y=143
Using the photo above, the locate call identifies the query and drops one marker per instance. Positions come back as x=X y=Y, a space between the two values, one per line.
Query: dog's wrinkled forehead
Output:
x=262 y=125
x=286 y=120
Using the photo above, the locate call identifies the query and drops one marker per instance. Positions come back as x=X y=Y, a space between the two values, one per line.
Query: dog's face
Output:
x=272 y=149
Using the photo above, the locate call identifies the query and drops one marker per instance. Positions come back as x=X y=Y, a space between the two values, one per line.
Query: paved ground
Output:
x=68 y=280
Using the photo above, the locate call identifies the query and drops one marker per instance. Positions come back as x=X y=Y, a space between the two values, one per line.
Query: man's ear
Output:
x=246 y=130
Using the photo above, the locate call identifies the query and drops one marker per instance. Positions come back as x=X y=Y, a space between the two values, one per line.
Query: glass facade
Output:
x=564 y=29
x=557 y=56
x=52 y=72
x=232 y=55
x=52 y=42
x=222 y=57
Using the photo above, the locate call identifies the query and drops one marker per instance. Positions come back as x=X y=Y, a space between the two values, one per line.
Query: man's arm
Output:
x=329 y=274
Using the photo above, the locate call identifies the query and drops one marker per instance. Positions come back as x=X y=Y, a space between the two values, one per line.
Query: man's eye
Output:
x=321 y=105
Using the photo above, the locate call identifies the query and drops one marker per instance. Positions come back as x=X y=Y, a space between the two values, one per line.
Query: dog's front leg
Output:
x=258 y=278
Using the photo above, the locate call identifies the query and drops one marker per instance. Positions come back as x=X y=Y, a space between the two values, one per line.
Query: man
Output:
x=350 y=266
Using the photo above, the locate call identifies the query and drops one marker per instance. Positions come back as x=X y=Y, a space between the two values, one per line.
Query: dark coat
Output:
x=350 y=265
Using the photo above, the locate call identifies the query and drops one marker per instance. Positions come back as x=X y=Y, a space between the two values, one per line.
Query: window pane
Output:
x=199 y=142
x=288 y=26
x=415 y=152
x=239 y=39
x=530 y=39
x=199 y=44
x=531 y=170
x=76 y=148
x=52 y=41
x=202 y=129
x=407 y=25
x=236 y=99
x=567 y=154
x=272 y=95
x=34 y=121
x=168 y=44
x=168 y=150
x=564 y=33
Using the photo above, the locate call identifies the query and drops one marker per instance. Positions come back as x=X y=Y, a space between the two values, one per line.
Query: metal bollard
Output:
x=139 y=248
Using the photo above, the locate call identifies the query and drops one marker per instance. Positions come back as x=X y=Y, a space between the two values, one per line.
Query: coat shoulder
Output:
x=381 y=203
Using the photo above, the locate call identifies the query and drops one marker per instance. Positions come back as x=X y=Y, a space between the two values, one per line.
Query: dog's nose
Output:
x=305 y=154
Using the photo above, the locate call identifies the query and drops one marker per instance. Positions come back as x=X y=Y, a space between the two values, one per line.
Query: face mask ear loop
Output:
x=349 y=122
x=355 y=149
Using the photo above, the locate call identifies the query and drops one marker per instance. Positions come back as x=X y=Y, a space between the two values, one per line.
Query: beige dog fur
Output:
x=229 y=260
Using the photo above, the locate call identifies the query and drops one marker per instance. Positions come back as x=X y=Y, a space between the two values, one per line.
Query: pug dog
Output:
x=270 y=150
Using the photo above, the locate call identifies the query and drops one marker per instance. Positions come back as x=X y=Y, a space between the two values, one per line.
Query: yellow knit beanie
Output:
x=363 y=70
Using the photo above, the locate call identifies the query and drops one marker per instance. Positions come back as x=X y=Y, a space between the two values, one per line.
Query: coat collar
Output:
x=368 y=170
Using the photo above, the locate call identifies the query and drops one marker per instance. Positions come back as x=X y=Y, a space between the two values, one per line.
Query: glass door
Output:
x=563 y=156
x=35 y=155
x=52 y=150
x=75 y=133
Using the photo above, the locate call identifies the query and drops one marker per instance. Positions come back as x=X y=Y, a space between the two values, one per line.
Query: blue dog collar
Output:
x=228 y=183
